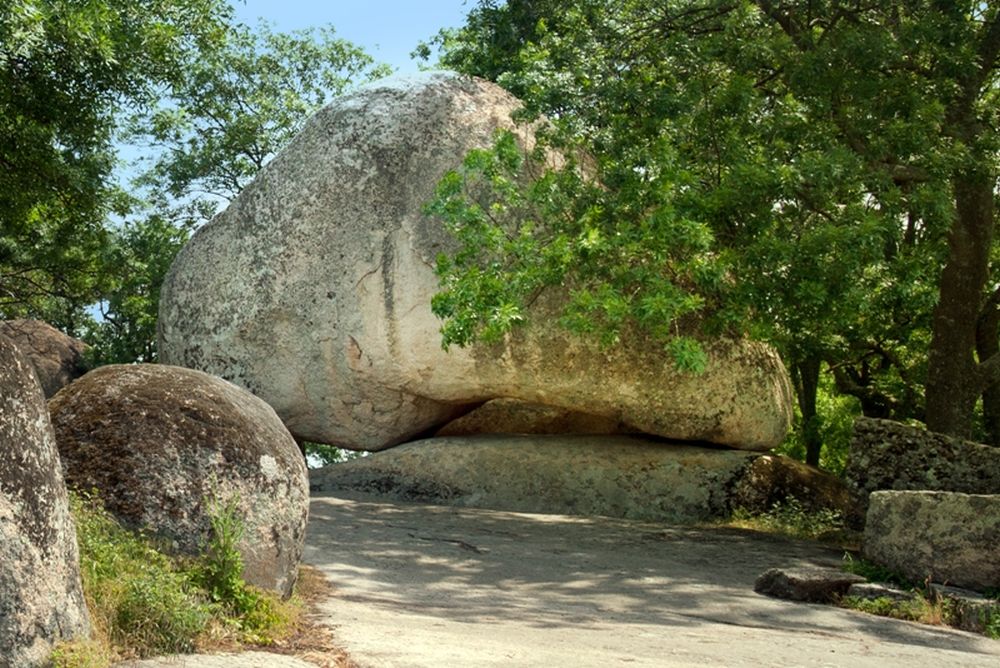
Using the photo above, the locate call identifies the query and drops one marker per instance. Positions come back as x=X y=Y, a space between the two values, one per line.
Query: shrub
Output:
x=143 y=602
x=791 y=518
x=139 y=600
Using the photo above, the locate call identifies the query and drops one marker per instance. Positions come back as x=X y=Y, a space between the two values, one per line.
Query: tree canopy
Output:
x=68 y=71
x=821 y=175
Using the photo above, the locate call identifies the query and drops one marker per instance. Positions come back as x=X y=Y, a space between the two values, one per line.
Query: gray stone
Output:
x=948 y=537
x=313 y=290
x=229 y=660
x=167 y=447
x=511 y=416
x=56 y=357
x=41 y=598
x=810 y=585
x=615 y=476
x=969 y=611
x=887 y=455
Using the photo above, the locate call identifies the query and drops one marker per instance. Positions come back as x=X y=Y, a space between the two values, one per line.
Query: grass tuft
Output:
x=791 y=518
x=144 y=602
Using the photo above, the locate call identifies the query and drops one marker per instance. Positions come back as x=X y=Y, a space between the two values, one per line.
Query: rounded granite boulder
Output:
x=41 y=597
x=313 y=290
x=56 y=357
x=167 y=448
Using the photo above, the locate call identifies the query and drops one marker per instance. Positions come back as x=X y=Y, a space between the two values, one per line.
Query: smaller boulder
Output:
x=168 y=447
x=810 y=585
x=886 y=455
x=56 y=357
x=947 y=537
x=772 y=479
x=41 y=596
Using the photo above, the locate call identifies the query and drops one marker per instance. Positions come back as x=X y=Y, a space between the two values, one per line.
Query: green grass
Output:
x=791 y=518
x=875 y=573
x=920 y=608
x=144 y=602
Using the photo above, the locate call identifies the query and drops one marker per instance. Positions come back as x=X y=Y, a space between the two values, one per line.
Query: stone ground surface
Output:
x=242 y=660
x=431 y=586
x=420 y=585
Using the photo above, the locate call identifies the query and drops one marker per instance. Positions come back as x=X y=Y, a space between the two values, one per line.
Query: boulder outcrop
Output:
x=167 y=448
x=614 y=476
x=888 y=455
x=56 y=357
x=947 y=537
x=41 y=598
x=313 y=290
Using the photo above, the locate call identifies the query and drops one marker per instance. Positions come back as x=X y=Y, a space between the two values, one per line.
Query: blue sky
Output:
x=387 y=29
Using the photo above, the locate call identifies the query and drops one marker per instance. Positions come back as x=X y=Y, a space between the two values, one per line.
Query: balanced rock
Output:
x=167 y=448
x=946 y=537
x=613 y=476
x=313 y=290
x=56 y=357
x=41 y=598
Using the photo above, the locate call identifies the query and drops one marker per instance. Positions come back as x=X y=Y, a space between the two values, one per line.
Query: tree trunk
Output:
x=953 y=378
x=806 y=376
x=987 y=345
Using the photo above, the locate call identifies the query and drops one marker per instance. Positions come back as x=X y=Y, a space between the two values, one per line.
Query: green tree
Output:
x=238 y=104
x=68 y=71
x=821 y=175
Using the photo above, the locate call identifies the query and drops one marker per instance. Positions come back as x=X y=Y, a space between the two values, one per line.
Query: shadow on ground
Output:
x=427 y=572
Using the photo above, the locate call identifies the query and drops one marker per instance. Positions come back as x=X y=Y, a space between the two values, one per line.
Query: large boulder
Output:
x=887 y=455
x=947 y=537
x=615 y=476
x=41 y=598
x=167 y=448
x=313 y=290
x=56 y=357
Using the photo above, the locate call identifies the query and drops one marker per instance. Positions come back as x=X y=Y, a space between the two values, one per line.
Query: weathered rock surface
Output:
x=615 y=476
x=167 y=446
x=313 y=290
x=970 y=611
x=888 y=455
x=511 y=416
x=810 y=585
x=949 y=537
x=56 y=357
x=41 y=599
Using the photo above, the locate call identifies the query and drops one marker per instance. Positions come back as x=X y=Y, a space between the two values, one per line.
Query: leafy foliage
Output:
x=791 y=518
x=144 y=602
x=67 y=70
x=796 y=172
x=141 y=252
x=135 y=593
x=238 y=104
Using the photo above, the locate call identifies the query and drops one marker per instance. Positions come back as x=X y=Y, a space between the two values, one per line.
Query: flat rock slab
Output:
x=241 y=660
x=422 y=585
x=574 y=474
x=814 y=585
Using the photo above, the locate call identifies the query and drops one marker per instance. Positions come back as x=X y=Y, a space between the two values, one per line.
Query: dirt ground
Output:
x=420 y=585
